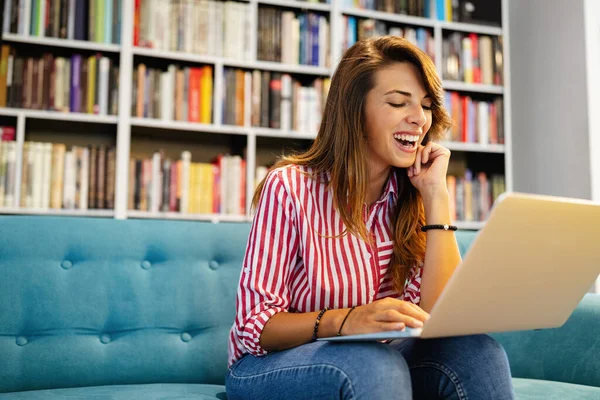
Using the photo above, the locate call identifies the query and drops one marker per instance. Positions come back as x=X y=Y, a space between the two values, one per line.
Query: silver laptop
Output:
x=528 y=268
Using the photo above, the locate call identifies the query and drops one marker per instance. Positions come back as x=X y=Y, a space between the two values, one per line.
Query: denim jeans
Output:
x=467 y=367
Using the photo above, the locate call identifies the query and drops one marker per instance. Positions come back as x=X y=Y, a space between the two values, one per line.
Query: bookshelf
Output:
x=128 y=129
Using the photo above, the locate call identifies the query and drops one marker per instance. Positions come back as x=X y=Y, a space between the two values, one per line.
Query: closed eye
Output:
x=395 y=105
x=428 y=108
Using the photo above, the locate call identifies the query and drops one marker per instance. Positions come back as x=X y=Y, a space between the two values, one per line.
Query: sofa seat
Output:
x=153 y=391
x=529 y=389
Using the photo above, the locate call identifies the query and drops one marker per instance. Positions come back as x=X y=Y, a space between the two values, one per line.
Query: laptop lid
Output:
x=528 y=268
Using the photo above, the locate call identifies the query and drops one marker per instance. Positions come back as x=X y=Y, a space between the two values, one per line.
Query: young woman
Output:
x=336 y=248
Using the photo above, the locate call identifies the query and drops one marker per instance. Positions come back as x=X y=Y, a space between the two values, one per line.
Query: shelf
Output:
x=475 y=28
x=58 y=212
x=474 y=147
x=303 y=5
x=176 y=55
x=208 y=59
x=384 y=16
x=469 y=225
x=223 y=129
x=421 y=21
x=188 y=126
x=65 y=43
x=60 y=116
x=214 y=218
x=268 y=132
x=279 y=67
x=10 y=112
x=472 y=87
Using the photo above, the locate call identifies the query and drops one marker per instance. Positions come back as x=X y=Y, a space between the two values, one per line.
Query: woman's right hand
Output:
x=384 y=315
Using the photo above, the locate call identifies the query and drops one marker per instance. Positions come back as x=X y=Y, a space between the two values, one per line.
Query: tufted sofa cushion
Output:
x=89 y=302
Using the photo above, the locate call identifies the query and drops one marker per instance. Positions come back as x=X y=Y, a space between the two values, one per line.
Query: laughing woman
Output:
x=336 y=248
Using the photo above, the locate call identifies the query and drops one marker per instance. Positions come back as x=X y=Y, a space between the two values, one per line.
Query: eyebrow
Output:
x=407 y=94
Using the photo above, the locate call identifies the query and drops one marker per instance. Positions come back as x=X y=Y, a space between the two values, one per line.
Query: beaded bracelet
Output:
x=344 y=321
x=314 y=336
x=445 y=227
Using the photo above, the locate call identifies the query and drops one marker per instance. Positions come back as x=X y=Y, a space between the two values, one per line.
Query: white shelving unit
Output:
x=125 y=122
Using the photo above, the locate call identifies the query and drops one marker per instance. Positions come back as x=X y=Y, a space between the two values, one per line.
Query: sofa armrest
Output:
x=570 y=353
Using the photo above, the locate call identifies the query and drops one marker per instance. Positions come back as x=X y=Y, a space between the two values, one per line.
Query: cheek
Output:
x=427 y=124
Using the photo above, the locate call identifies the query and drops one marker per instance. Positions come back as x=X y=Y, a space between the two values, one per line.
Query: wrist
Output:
x=434 y=193
x=437 y=208
x=331 y=321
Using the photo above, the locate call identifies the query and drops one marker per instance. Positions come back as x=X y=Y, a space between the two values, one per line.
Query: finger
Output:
x=412 y=310
x=390 y=326
x=426 y=151
x=395 y=316
x=417 y=163
x=419 y=310
x=410 y=171
x=437 y=151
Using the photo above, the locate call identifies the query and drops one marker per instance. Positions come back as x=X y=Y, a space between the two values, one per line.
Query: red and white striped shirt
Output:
x=296 y=260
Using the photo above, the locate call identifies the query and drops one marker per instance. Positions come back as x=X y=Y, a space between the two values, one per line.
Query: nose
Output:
x=417 y=116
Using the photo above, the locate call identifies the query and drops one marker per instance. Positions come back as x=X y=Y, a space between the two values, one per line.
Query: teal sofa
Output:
x=141 y=309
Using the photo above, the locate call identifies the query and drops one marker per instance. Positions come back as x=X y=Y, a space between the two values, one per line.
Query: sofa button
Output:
x=21 y=341
x=66 y=264
x=146 y=265
x=213 y=264
x=186 y=337
x=105 y=339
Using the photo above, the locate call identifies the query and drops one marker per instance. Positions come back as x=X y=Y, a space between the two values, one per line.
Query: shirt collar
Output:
x=391 y=186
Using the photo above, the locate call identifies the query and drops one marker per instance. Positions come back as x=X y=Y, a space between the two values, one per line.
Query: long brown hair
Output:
x=340 y=146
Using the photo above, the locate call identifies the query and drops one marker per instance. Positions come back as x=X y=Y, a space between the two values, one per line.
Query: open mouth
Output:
x=407 y=141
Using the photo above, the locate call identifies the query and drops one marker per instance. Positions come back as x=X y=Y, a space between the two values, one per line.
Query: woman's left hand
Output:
x=428 y=173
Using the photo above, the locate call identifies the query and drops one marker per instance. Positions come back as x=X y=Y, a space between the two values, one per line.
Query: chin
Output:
x=404 y=162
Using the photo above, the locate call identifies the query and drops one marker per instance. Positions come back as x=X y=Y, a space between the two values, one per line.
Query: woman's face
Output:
x=398 y=115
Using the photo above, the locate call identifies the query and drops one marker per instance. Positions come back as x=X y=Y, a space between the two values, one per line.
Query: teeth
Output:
x=403 y=136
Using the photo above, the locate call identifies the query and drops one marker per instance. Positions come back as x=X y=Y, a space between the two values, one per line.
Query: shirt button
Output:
x=372 y=292
x=247 y=269
x=369 y=256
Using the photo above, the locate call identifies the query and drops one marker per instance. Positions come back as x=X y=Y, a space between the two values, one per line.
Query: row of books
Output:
x=472 y=195
x=194 y=26
x=160 y=184
x=473 y=58
x=82 y=177
x=475 y=121
x=416 y=8
x=293 y=38
x=86 y=84
x=179 y=93
x=273 y=100
x=442 y=10
x=8 y=159
x=358 y=28
x=94 y=20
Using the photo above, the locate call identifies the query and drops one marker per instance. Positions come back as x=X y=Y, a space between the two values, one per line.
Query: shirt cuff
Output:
x=252 y=330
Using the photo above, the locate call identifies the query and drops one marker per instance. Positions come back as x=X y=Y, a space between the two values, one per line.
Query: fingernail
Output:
x=419 y=324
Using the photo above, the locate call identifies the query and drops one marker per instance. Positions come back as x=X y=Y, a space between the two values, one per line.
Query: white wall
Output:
x=549 y=98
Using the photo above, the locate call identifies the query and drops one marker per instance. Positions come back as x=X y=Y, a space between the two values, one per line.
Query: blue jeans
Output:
x=467 y=367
